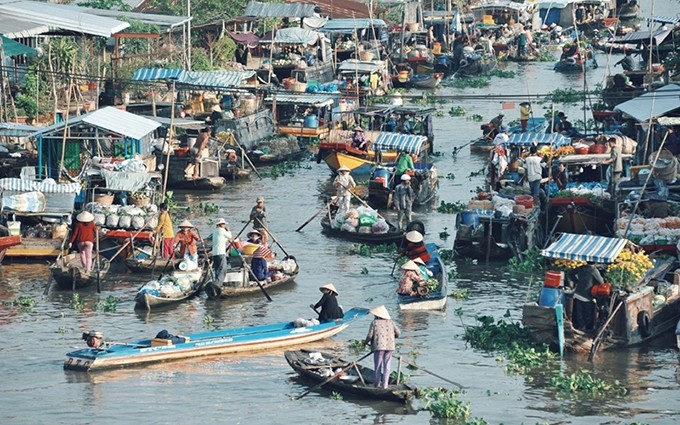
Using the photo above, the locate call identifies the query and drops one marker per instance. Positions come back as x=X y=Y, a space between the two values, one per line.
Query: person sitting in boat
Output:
x=84 y=235
x=409 y=279
x=559 y=176
x=259 y=264
x=627 y=63
x=187 y=238
x=359 y=140
x=175 y=339
x=565 y=127
x=330 y=309
x=255 y=237
x=569 y=51
x=344 y=183
x=231 y=156
x=425 y=273
x=94 y=339
x=391 y=124
x=584 y=308
x=409 y=124
x=415 y=247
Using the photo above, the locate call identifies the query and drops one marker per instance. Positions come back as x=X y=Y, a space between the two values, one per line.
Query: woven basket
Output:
x=300 y=87
x=102 y=199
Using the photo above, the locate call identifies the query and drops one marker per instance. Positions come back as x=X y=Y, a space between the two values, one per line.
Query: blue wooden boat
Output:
x=575 y=64
x=432 y=300
x=226 y=341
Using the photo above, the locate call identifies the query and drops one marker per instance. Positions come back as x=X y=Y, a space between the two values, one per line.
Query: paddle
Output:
x=61 y=254
x=243 y=152
x=99 y=264
x=128 y=242
x=274 y=239
x=170 y=258
x=335 y=375
x=598 y=339
x=207 y=260
x=434 y=374
x=315 y=215
x=458 y=148
x=250 y=271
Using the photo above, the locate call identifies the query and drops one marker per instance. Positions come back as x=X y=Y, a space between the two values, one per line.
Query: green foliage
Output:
x=476 y=118
x=208 y=320
x=582 y=385
x=457 y=111
x=76 y=303
x=368 y=250
x=502 y=335
x=202 y=10
x=336 y=395
x=209 y=207
x=453 y=274
x=475 y=83
x=595 y=200
x=356 y=346
x=522 y=359
x=532 y=261
x=200 y=60
x=364 y=270
x=460 y=294
x=439 y=114
x=445 y=404
x=402 y=378
x=446 y=256
x=450 y=176
x=107 y=5
x=24 y=302
x=544 y=55
x=280 y=170
x=451 y=208
x=566 y=96
x=501 y=73
x=108 y=305
x=170 y=200
x=444 y=234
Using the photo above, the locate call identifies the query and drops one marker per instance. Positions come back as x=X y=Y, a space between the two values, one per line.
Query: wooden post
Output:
x=166 y=144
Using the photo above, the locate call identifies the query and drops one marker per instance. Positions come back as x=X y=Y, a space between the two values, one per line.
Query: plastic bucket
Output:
x=550 y=297
x=311 y=121
x=469 y=218
x=526 y=200
x=553 y=279
x=382 y=172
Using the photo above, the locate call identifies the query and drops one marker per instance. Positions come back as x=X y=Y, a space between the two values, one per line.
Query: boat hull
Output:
x=392 y=236
x=435 y=300
x=425 y=183
x=148 y=301
x=255 y=338
x=68 y=272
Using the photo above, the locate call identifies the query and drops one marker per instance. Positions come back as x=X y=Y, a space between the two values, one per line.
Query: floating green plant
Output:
x=108 y=305
x=76 y=303
x=502 y=335
x=460 y=294
x=442 y=403
x=457 y=111
x=531 y=262
x=24 y=302
x=451 y=208
x=368 y=250
x=584 y=385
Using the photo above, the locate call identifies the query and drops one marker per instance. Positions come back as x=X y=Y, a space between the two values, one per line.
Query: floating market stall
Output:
x=344 y=33
x=300 y=55
x=361 y=79
x=307 y=116
x=634 y=305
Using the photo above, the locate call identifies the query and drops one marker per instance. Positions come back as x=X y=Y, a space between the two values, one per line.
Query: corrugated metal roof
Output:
x=652 y=105
x=154 y=74
x=110 y=119
x=278 y=10
x=644 y=37
x=528 y=138
x=17 y=28
x=355 y=65
x=340 y=8
x=410 y=143
x=665 y=19
x=147 y=18
x=343 y=25
x=296 y=36
x=10 y=129
x=60 y=17
x=317 y=100
x=215 y=79
x=502 y=5
x=598 y=249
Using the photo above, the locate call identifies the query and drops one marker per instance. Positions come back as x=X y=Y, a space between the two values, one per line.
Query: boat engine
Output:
x=93 y=339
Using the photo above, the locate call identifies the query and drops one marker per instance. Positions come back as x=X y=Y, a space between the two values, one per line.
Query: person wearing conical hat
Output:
x=258 y=214
x=166 y=230
x=403 y=201
x=359 y=140
x=187 y=238
x=83 y=235
x=330 y=309
x=425 y=273
x=409 y=279
x=343 y=183
x=415 y=246
x=524 y=115
x=381 y=335
x=221 y=237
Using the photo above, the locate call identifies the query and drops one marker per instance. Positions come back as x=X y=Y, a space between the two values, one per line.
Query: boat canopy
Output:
x=279 y=10
x=353 y=65
x=598 y=249
x=293 y=36
x=526 y=139
x=410 y=143
x=644 y=37
x=349 y=26
x=26 y=197
x=319 y=100
x=247 y=38
x=652 y=105
x=208 y=80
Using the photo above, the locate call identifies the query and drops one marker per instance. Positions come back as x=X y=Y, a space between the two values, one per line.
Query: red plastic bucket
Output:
x=553 y=279
x=526 y=200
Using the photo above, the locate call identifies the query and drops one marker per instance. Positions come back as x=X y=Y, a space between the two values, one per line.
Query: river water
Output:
x=256 y=388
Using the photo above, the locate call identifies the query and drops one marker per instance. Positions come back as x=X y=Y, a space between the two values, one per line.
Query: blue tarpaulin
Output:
x=598 y=249
x=396 y=141
x=296 y=36
x=526 y=139
x=195 y=79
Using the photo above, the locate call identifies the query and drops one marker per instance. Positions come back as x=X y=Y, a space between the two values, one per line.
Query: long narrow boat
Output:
x=68 y=272
x=151 y=264
x=7 y=242
x=186 y=284
x=358 y=380
x=238 y=281
x=225 y=341
x=432 y=299
x=393 y=235
x=425 y=183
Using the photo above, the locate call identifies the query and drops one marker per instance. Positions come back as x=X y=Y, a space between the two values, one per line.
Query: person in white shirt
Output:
x=343 y=183
x=534 y=169
x=221 y=237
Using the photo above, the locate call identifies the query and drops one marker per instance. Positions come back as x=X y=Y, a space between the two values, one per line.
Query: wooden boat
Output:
x=430 y=299
x=403 y=76
x=358 y=381
x=393 y=235
x=425 y=183
x=189 y=282
x=239 y=282
x=510 y=235
x=535 y=128
x=424 y=81
x=68 y=272
x=638 y=319
x=230 y=171
x=576 y=64
x=476 y=64
x=151 y=264
x=225 y=341
x=7 y=242
x=208 y=179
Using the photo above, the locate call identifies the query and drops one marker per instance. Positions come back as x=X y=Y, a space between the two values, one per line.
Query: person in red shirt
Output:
x=83 y=235
x=415 y=247
x=187 y=237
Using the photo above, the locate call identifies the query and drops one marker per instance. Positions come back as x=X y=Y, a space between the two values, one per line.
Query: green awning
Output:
x=12 y=48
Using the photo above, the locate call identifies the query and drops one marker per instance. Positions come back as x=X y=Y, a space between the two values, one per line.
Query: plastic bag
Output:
x=380 y=227
x=367 y=220
x=124 y=222
x=137 y=222
x=112 y=220
x=99 y=219
x=348 y=228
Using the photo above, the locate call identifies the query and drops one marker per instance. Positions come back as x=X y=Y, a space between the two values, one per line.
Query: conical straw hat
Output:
x=330 y=287
x=186 y=223
x=85 y=217
x=381 y=312
x=410 y=265
x=414 y=236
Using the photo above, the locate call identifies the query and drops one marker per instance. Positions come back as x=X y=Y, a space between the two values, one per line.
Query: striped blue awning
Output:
x=215 y=79
x=526 y=139
x=598 y=249
x=665 y=19
x=46 y=186
x=396 y=141
x=155 y=74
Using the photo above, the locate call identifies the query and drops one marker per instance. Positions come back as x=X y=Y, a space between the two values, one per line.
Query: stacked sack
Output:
x=167 y=286
x=124 y=217
x=361 y=220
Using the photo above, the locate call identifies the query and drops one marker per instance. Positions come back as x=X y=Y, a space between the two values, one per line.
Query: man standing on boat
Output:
x=403 y=201
x=584 y=308
x=615 y=162
x=166 y=230
x=404 y=165
x=534 y=169
x=221 y=237
x=343 y=183
x=524 y=114
x=259 y=217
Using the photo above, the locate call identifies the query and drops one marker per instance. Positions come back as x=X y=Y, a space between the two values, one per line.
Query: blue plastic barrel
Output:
x=550 y=297
x=470 y=218
x=311 y=121
x=382 y=174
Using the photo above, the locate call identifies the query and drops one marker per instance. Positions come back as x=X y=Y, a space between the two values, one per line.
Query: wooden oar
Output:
x=207 y=259
x=99 y=264
x=435 y=375
x=250 y=272
x=598 y=339
x=128 y=242
x=274 y=239
x=61 y=255
x=315 y=215
x=334 y=376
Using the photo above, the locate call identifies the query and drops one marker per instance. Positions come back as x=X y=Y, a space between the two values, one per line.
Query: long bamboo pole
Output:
x=166 y=144
x=68 y=109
